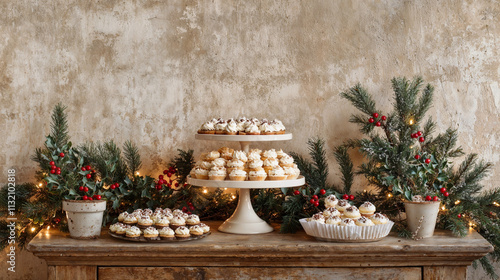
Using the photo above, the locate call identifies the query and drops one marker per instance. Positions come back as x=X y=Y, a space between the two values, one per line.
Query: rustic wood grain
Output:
x=445 y=272
x=181 y=273
x=271 y=250
x=76 y=272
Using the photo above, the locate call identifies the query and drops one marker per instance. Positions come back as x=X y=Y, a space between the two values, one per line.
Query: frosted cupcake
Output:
x=177 y=221
x=212 y=155
x=133 y=232
x=259 y=175
x=122 y=216
x=347 y=222
x=144 y=222
x=331 y=212
x=122 y=229
x=201 y=173
x=237 y=175
x=278 y=126
x=333 y=220
x=196 y=231
x=379 y=219
x=318 y=218
x=286 y=161
x=280 y=153
x=157 y=215
x=270 y=163
x=217 y=173
x=364 y=221
x=192 y=220
x=130 y=220
x=182 y=232
x=162 y=222
x=114 y=227
x=231 y=128
x=167 y=233
x=206 y=229
x=291 y=173
x=240 y=155
x=219 y=162
x=352 y=212
x=269 y=154
x=331 y=201
x=277 y=173
x=367 y=209
x=254 y=165
x=207 y=128
x=151 y=233
x=234 y=164
x=204 y=164
x=342 y=204
x=254 y=155
x=220 y=127
x=252 y=129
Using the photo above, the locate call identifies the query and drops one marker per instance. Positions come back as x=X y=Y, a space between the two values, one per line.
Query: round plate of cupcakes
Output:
x=162 y=225
x=343 y=222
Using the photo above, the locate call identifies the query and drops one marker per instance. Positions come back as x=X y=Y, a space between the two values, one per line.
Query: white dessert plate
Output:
x=244 y=138
x=247 y=184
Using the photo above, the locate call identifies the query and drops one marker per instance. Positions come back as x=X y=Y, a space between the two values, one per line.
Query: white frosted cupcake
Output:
x=162 y=222
x=259 y=175
x=269 y=163
x=192 y=220
x=122 y=216
x=331 y=201
x=114 y=227
x=347 y=222
x=206 y=229
x=266 y=129
x=364 y=221
x=252 y=129
x=255 y=164
x=144 y=222
x=177 y=221
x=291 y=173
x=133 y=232
x=379 y=219
x=235 y=164
x=269 y=154
x=204 y=164
x=286 y=161
x=182 y=233
x=212 y=155
x=280 y=153
x=151 y=233
x=237 y=175
x=333 y=220
x=219 y=162
x=167 y=233
x=196 y=230
x=342 y=204
x=367 y=209
x=352 y=212
x=121 y=229
x=277 y=173
x=240 y=155
x=331 y=212
x=253 y=156
x=207 y=128
x=130 y=220
x=201 y=173
x=318 y=218
x=231 y=128
x=217 y=173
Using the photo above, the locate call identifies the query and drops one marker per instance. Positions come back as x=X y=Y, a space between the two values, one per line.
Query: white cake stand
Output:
x=244 y=219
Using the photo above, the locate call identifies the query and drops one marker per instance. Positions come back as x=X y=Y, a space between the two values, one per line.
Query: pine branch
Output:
x=360 y=99
x=132 y=157
x=59 y=126
x=346 y=167
x=320 y=162
x=425 y=102
x=184 y=162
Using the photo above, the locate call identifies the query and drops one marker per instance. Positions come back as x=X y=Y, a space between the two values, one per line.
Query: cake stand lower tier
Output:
x=244 y=219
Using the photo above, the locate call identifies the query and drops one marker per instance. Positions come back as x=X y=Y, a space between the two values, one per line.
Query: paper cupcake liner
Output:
x=336 y=233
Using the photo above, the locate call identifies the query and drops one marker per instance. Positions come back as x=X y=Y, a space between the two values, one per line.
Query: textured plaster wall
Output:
x=153 y=71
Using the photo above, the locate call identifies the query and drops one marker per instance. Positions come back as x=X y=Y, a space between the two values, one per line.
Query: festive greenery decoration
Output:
x=404 y=159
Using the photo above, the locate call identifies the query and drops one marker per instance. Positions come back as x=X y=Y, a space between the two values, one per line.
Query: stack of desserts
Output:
x=257 y=165
x=242 y=126
x=343 y=221
x=162 y=224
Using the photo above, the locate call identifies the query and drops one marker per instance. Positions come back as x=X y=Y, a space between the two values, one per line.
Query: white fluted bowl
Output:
x=334 y=233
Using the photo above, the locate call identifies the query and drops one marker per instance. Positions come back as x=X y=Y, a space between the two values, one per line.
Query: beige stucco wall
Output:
x=153 y=71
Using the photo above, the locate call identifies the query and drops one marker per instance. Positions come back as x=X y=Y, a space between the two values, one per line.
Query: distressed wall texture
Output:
x=153 y=71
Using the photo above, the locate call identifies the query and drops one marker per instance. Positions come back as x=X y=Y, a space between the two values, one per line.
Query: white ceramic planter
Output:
x=84 y=218
x=416 y=210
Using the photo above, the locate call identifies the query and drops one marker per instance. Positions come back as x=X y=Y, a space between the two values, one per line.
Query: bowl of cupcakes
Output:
x=343 y=222
x=162 y=225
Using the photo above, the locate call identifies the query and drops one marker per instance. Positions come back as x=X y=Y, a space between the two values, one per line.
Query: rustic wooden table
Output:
x=264 y=256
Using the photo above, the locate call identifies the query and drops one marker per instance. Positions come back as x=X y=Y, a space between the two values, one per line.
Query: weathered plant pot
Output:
x=84 y=218
x=428 y=211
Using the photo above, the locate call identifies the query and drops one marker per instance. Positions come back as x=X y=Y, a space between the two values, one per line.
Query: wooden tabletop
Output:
x=271 y=249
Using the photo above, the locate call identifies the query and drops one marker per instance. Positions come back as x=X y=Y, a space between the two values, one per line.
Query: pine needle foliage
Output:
x=395 y=147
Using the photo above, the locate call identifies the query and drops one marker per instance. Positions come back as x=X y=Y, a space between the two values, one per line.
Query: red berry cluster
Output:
x=418 y=135
x=191 y=207
x=114 y=186
x=444 y=192
x=315 y=199
x=170 y=171
x=54 y=169
x=348 y=197
x=427 y=160
x=94 y=197
x=375 y=120
x=429 y=198
x=88 y=168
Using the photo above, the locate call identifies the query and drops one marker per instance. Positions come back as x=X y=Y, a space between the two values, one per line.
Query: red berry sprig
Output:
x=322 y=192
x=428 y=198
x=375 y=120
x=427 y=160
x=296 y=192
x=417 y=157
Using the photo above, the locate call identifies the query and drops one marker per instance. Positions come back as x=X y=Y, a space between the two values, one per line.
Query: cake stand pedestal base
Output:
x=244 y=219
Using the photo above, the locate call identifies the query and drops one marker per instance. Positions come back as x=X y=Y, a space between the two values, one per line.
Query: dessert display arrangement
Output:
x=242 y=126
x=162 y=225
x=343 y=222
x=256 y=165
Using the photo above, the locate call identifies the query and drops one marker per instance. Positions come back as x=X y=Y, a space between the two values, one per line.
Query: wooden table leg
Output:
x=78 y=272
x=445 y=272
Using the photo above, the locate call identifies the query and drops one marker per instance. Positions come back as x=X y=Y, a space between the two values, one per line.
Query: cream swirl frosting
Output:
x=207 y=126
x=150 y=231
x=363 y=221
x=196 y=230
x=178 y=220
x=266 y=127
x=255 y=173
x=182 y=231
x=252 y=128
x=176 y=212
x=221 y=125
x=276 y=171
x=157 y=215
x=232 y=126
x=331 y=212
x=286 y=159
x=278 y=125
x=130 y=219
x=133 y=231
x=217 y=171
x=114 y=227
x=235 y=163
x=253 y=156
x=240 y=155
x=220 y=162
x=270 y=154
x=162 y=221
x=367 y=208
x=166 y=231
x=237 y=172
x=145 y=220
x=379 y=219
x=255 y=164
x=291 y=171
x=122 y=216
x=193 y=219
x=204 y=227
x=347 y=222
x=201 y=171
x=331 y=201
x=280 y=153
x=333 y=220
x=205 y=164
x=213 y=155
x=318 y=217
x=271 y=162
